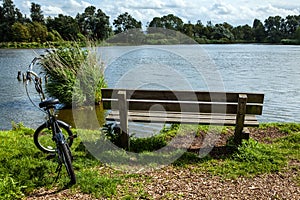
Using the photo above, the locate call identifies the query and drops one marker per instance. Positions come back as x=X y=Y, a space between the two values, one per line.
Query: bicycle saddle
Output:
x=48 y=103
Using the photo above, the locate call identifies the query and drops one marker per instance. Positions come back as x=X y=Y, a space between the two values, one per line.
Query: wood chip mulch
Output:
x=185 y=184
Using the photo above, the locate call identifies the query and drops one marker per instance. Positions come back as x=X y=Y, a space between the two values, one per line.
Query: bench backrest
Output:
x=183 y=101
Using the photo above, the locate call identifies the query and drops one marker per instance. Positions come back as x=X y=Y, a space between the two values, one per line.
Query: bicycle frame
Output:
x=62 y=148
x=57 y=135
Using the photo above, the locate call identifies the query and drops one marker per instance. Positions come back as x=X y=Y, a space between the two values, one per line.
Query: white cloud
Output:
x=72 y=7
x=222 y=9
x=235 y=12
x=76 y=5
x=270 y=10
x=52 y=10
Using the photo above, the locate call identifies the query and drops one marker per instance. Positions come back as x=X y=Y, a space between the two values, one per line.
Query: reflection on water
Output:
x=90 y=117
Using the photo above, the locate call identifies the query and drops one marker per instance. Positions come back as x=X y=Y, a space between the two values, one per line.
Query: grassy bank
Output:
x=43 y=45
x=37 y=45
x=25 y=170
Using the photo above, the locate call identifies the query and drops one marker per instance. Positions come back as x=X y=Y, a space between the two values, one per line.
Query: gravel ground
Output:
x=186 y=183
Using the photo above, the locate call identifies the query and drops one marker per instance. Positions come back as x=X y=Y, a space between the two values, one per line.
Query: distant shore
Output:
x=36 y=45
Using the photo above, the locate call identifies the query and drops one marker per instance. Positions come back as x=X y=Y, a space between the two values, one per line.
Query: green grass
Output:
x=25 y=169
x=252 y=158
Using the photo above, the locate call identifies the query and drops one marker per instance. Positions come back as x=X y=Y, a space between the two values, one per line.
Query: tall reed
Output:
x=75 y=74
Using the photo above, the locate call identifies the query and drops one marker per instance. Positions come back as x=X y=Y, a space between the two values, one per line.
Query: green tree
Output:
x=209 y=30
x=292 y=22
x=238 y=33
x=199 y=29
x=94 y=24
x=9 y=15
x=259 y=32
x=248 y=33
x=168 y=22
x=38 y=32
x=124 y=22
x=156 y=23
x=189 y=29
x=297 y=34
x=36 y=13
x=20 y=32
x=66 y=26
x=222 y=31
x=274 y=29
x=53 y=35
x=103 y=28
x=9 y=12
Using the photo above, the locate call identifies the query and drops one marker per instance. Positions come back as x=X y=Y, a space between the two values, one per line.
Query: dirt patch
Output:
x=57 y=194
x=185 y=184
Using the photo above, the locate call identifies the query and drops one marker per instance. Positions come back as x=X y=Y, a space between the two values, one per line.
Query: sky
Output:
x=234 y=12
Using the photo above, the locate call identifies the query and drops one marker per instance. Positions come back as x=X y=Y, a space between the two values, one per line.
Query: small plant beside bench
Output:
x=185 y=107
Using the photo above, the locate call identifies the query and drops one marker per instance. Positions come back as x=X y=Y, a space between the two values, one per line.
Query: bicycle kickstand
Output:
x=58 y=169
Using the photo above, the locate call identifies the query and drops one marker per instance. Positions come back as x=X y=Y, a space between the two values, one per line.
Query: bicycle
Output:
x=50 y=137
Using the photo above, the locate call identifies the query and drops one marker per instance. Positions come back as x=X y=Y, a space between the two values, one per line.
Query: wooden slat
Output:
x=184 y=95
x=184 y=106
x=158 y=114
x=186 y=119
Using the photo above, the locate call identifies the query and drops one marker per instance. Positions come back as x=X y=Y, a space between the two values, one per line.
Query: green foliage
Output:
x=253 y=152
x=169 y=21
x=20 y=32
x=9 y=189
x=38 y=32
x=94 y=24
x=125 y=22
x=290 y=41
x=36 y=13
x=66 y=26
x=22 y=168
x=147 y=144
x=283 y=127
x=21 y=129
x=99 y=186
x=252 y=158
x=75 y=75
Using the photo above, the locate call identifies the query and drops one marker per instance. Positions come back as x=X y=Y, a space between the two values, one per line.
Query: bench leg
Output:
x=123 y=119
x=240 y=118
x=244 y=134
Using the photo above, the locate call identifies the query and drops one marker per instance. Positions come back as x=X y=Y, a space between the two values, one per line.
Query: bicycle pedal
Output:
x=51 y=156
x=73 y=136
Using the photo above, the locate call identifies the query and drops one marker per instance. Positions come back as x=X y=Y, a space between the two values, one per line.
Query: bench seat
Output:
x=183 y=118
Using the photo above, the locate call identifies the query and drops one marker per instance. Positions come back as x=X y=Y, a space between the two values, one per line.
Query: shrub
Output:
x=74 y=74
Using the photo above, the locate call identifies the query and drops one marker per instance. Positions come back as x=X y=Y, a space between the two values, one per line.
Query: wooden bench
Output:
x=185 y=107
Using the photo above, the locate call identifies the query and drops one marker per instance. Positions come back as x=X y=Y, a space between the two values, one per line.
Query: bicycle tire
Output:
x=43 y=137
x=67 y=160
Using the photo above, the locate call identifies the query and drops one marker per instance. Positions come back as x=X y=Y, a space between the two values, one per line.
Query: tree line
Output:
x=94 y=24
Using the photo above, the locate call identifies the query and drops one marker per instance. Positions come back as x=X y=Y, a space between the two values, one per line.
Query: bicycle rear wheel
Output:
x=43 y=137
x=66 y=156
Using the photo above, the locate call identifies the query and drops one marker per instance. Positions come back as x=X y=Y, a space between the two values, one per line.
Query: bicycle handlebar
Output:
x=37 y=79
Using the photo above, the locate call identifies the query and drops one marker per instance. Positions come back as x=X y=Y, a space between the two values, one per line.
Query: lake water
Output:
x=270 y=69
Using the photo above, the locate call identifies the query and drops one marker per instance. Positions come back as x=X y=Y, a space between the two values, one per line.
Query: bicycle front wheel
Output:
x=66 y=156
x=43 y=137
